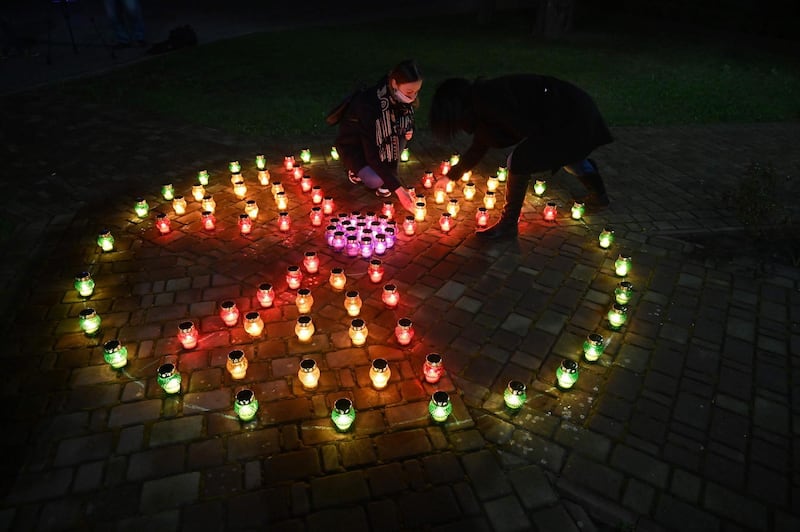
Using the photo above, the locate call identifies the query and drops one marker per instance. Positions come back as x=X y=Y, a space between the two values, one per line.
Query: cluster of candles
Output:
x=363 y=235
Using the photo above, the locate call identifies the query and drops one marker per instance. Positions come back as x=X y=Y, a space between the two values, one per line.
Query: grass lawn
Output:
x=282 y=84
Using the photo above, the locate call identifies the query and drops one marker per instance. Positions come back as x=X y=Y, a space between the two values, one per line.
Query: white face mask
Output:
x=402 y=98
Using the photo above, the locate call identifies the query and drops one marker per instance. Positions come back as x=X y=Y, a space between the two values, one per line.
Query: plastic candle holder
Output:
x=358 y=332
x=617 y=316
x=343 y=414
x=391 y=236
x=298 y=171
x=141 y=208
x=622 y=266
x=162 y=223
x=265 y=295
x=337 y=279
x=236 y=177
x=623 y=292
x=317 y=195
x=439 y=196
x=305 y=155
x=284 y=222
x=89 y=321
x=305 y=183
x=281 y=201
x=179 y=205
x=489 y=200
x=253 y=324
x=304 y=328
x=404 y=331
x=202 y=177
x=351 y=246
x=469 y=191
x=420 y=211
x=453 y=208
x=294 y=277
x=245 y=224
x=578 y=210
x=390 y=295
x=446 y=222
x=168 y=378
x=334 y=153
x=352 y=303
x=379 y=373
x=168 y=191
x=550 y=211
x=427 y=179
x=105 y=240
x=405 y=155
x=593 y=347
x=440 y=407
x=444 y=167
x=263 y=177
x=539 y=187
x=433 y=368
x=515 y=395
x=208 y=204
x=115 y=354
x=466 y=176
x=234 y=167
x=304 y=300
x=237 y=364
x=492 y=183
x=409 y=226
x=276 y=187
x=288 y=163
x=606 y=238
x=375 y=270
x=311 y=262
x=251 y=209
x=245 y=405
x=379 y=245
x=482 y=217
x=229 y=313
x=328 y=205
x=84 y=284
x=208 y=221
x=261 y=161
x=567 y=374
x=198 y=191
x=367 y=247
x=454 y=159
x=338 y=241
x=502 y=173
x=308 y=374
x=187 y=335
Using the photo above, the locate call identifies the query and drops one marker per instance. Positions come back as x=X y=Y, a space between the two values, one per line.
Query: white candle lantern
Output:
x=304 y=328
x=208 y=204
x=284 y=222
x=309 y=373
x=358 y=332
x=379 y=373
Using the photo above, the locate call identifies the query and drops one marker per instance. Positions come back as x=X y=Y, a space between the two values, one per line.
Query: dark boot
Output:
x=597 y=197
x=516 y=188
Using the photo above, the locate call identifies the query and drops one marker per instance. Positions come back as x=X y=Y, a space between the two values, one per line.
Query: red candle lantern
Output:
x=297 y=171
x=288 y=163
x=229 y=313
x=305 y=183
x=162 y=223
x=444 y=167
x=187 y=335
x=208 y=221
x=550 y=211
x=482 y=217
x=245 y=224
x=409 y=226
x=427 y=179
x=404 y=331
x=311 y=261
x=265 y=295
x=316 y=216
x=388 y=209
x=390 y=296
x=375 y=270
x=327 y=205
x=294 y=277
x=446 y=222
x=433 y=369
x=284 y=222
x=316 y=195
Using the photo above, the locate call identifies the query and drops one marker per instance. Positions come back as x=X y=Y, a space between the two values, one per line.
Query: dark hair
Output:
x=405 y=72
x=450 y=108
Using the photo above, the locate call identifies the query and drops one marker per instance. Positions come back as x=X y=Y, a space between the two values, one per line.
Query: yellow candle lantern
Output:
x=263 y=177
x=304 y=300
x=453 y=207
x=358 y=332
x=352 y=303
x=492 y=183
x=240 y=189
x=237 y=364
x=469 y=191
x=253 y=324
x=439 y=195
x=466 y=176
x=308 y=374
x=276 y=187
x=379 y=373
x=198 y=191
x=337 y=279
x=304 y=328
x=208 y=203
x=251 y=209
x=179 y=205
x=489 y=200
x=420 y=211
x=281 y=201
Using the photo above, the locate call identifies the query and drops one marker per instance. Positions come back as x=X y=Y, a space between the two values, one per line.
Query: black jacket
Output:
x=553 y=122
x=372 y=132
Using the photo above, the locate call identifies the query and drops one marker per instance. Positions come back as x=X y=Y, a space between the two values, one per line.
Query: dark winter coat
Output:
x=372 y=132
x=551 y=122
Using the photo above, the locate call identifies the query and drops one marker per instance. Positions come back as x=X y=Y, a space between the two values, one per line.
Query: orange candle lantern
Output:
x=311 y=261
x=433 y=369
x=352 y=303
x=284 y=222
x=188 y=335
x=446 y=222
x=253 y=324
x=404 y=331
x=316 y=195
x=265 y=295
x=245 y=224
x=294 y=277
x=328 y=205
x=304 y=328
x=229 y=313
x=162 y=223
x=208 y=221
x=309 y=373
x=390 y=296
x=304 y=300
x=550 y=211
x=337 y=279
x=358 y=332
x=263 y=177
x=409 y=226
x=237 y=364
x=297 y=171
x=375 y=270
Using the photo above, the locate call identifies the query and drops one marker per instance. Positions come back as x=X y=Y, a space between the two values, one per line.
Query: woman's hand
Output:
x=443 y=183
x=405 y=199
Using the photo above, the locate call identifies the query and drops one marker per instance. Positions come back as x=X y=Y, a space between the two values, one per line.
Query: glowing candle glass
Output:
x=276 y=187
x=515 y=395
x=390 y=237
x=405 y=155
x=337 y=279
x=141 y=208
x=450 y=186
x=482 y=217
x=578 y=210
x=358 y=332
x=168 y=191
x=208 y=204
x=115 y=354
x=294 y=277
x=162 y=223
x=352 y=303
x=446 y=222
x=390 y=295
x=234 y=167
x=265 y=295
x=304 y=328
x=105 y=240
x=237 y=364
x=309 y=373
x=89 y=321
x=328 y=205
x=198 y=191
x=489 y=200
x=251 y=209
x=539 y=187
x=298 y=171
x=311 y=262
x=427 y=179
x=492 y=183
x=179 y=205
x=466 y=176
x=606 y=238
x=208 y=221
x=305 y=155
x=453 y=207
x=317 y=195
x=623 y=292
x=343 y=414
x=229 y=313
x=420 y=211
x=187 y=335
x=550 y=211
x=375 y=270
x=288 y=163
x=617 y=316
x=622 y=266
x=439 y=196
x=281 y=201
x=366 y=247
x=593 y=347
x=502 y=173
x=305 y=183
x=454 y=159
x=444 y=168
x=84 y=284
x=245 y=224
x=246 y=405
x=338 y=240
x=469 y=191
x=440 y=407
x=433 y=368
x=379 y=245
x=351 y=246
x=304 y=300
x=202 y=177
x=334 y=153
x=567 y=374
x=404 y=331
x=168 y=378
x=261 y=161
x=284 y=222
x=253 y=324
x=409 y=226
x=236 y=177
x=379 y=373
x=263 y=177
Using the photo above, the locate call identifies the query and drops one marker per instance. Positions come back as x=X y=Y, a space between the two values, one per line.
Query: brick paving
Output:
x=686 y=422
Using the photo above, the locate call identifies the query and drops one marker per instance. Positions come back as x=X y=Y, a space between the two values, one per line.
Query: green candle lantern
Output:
x=593 y=347
x=567 y=374
x=343 y=414
x=261 y=161
x=168 y=191
x=246 y=404
x=305 y=155
x=617 y=316
x=539 y=187
x=454 y=159
x=168 y=378
x=115 y=354
x=440 y=406
x=606 y=238
x=84 y=284
x=89 y=321
x=622 y=266
x=234 y=167
x=141 y=208
x=623 y=292
x=202 y=177
x=502 y=173
x=334 y=153
x=405 y=155
x=578 y=210
x=515 y=395
x=105 y=240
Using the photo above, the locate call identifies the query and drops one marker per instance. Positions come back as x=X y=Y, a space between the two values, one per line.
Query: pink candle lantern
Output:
x=390 y=237
x=379 y=244
x=352 y=303
x=208 y=221
x=366 y=247
x=305 y=183
x=339 y=241
x=404 y=331
x=265 y=295
x=284 y=222
x=294 y=277
x=446 y=222
x=409 y=226
x=351 y=246
x=388 y=209
x=390 y=296
x=427 y=179
x=311 y=262
x=288 y=163
x=245 y=224
x=229 y=313
x=433 y=369
x=297 y=171
x=316 y=216
x=550 y=211
x=337 y=279
x=253 y=324
x=444 y=168
x=281 y=201
x=375 y=270
x=328 y=205
x=482 y=217
x=316 y=195
x=162 y=223
x=187 y=335
x=304 y=301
